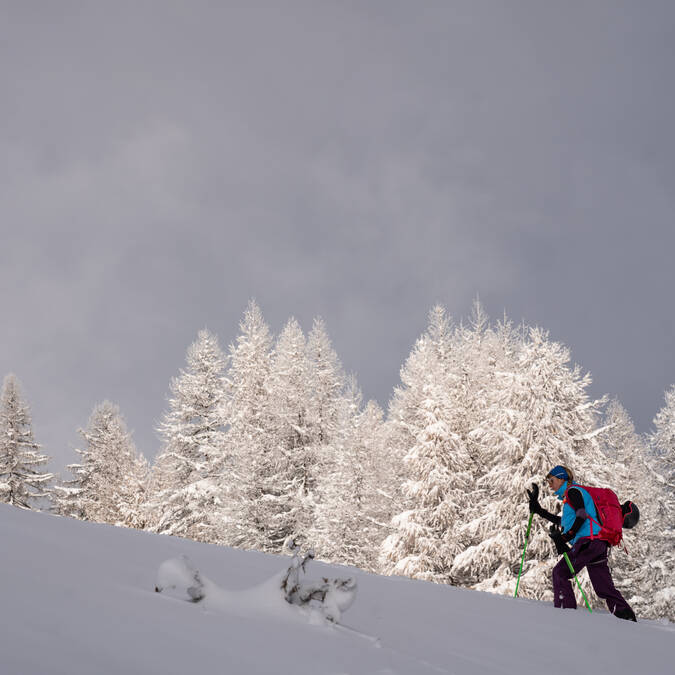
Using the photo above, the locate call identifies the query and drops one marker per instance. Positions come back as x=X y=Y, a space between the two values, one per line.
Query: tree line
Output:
x=272 y=440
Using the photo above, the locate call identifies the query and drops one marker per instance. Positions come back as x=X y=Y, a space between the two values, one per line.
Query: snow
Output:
x=79 y=598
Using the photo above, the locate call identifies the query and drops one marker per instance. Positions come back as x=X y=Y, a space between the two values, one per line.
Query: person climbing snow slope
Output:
x=575 y=532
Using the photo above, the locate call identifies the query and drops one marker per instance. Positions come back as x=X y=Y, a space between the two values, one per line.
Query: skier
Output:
x=573 y=527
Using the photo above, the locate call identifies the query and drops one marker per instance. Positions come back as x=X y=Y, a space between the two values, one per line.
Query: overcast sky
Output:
x=163 y=162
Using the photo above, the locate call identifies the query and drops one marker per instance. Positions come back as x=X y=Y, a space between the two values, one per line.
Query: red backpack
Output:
x=610 y=517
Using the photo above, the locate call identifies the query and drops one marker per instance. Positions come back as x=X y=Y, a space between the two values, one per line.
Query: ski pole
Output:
x=522 y=560
x=569 y=564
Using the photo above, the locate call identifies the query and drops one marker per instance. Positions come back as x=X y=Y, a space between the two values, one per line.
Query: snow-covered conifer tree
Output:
x=133 y=507
x=22 y=481
x=375 y=491
x=339 y=474
x=70 y=495
x=189 y=502
x=663 y=438
x=626 y=452
x=331 y=413
x=354 y=504
x=248 y=438
x=648 y=570
x=482 y=357
x=662 y=549
x=326 y=382
x=105 y=486
x=159 y=481
x=620 y=443
x=287 y=475
x=404 y=414
x=423 y=543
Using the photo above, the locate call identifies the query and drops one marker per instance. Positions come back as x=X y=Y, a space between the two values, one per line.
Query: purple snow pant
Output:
x=591 y=554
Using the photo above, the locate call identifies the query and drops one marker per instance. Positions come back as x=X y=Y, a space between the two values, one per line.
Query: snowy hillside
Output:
x=78 y=598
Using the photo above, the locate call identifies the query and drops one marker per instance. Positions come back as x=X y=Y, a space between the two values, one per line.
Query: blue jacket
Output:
x=569 y=515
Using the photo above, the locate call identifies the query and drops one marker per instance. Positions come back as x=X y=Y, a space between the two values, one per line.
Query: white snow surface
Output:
x=78 y=598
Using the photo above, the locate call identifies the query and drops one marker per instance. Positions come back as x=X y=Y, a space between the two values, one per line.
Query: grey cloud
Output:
x=362 y=161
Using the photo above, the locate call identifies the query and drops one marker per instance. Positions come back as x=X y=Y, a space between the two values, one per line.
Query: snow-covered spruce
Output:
x=436 y=464
x=22 y=481
x=663 y=439
x=248 y=439
x=186 y=483
x=108 y=485
x=650 y=563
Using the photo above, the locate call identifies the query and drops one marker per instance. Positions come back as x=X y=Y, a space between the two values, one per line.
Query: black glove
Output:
x=559 y=539
x=533 y=494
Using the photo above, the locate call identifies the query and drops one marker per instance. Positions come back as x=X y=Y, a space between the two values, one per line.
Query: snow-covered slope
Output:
x=78 y=598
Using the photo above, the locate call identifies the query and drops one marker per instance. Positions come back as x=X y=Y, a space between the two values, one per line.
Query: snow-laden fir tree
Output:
x=663 y=438
x=643 y=570
x=354 y=506
x=340 y=474
x=158 y=480
x=133 y=507
x=329 y=414
x=69 y=495
x=626 y=454
x=539 y=415
x=404 y=413
x=23 y=482
x=621 y=444
x=248 y=438
x=484 y=357
x=286 y=474
x=326 y=382
x=487 y=368
x=188 y=502
x=661 y=566
x=662 y=442
x=375 y=487
x=108 y=483
x=424 y=542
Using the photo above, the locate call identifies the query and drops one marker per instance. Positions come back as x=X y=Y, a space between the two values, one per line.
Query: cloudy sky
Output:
x=163 y=162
